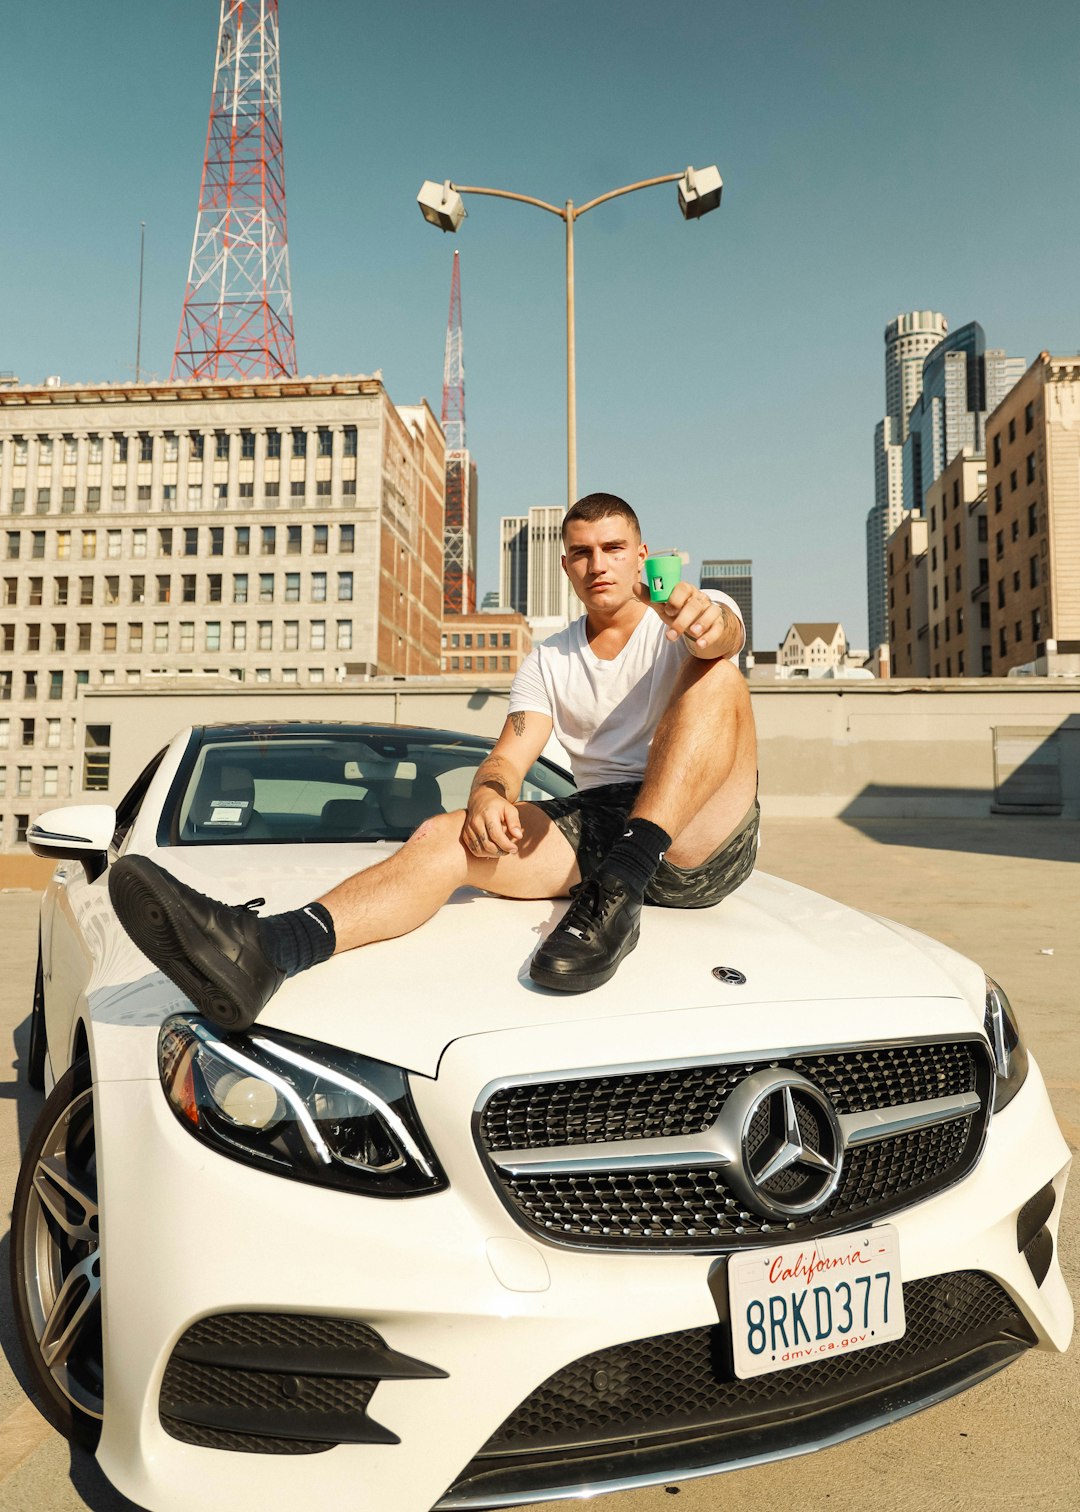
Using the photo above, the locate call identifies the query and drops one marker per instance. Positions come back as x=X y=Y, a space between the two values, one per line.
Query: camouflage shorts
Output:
x=593 y=819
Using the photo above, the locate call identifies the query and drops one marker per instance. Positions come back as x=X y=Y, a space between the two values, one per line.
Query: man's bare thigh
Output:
x=544 y=865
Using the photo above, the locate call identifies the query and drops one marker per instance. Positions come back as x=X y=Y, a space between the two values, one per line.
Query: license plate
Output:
x=795 y=1303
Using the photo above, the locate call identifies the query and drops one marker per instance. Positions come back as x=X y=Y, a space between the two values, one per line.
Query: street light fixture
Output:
x=442 y=205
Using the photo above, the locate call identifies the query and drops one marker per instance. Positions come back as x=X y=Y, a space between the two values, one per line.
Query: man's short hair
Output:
x=598 y=506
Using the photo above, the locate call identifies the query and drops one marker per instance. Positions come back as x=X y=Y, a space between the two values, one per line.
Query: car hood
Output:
x=465 y=972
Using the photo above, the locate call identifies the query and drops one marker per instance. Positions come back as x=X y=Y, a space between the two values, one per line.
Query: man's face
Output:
x=603 y=560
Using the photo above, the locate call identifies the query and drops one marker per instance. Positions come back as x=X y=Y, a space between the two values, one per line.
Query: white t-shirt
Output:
x=604 y=712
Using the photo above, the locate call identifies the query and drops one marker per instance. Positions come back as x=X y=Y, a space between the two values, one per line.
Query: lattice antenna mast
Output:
x=459 y=530
x=453 y=394
x=237 y=317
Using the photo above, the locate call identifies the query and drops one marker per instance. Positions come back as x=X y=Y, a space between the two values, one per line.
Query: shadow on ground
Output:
x=1042 y=838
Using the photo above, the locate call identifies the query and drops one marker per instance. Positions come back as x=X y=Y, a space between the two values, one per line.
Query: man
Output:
x=650 y=706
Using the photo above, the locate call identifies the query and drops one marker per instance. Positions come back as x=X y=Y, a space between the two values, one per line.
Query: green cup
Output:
x=661 y=574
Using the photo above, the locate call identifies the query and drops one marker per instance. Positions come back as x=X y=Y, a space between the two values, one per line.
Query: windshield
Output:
x=325 y=787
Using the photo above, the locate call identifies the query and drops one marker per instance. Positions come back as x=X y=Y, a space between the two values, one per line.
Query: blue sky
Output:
x=876 y=158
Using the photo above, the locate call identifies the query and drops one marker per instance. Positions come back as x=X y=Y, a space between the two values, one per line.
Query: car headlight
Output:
x=297 y=1108
x=1010 y=1057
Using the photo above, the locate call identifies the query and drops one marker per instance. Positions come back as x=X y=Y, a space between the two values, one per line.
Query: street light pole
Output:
x=441 y=205
x=571 y=364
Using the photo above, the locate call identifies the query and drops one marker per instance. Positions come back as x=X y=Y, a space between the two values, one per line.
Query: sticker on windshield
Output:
x=228 y=810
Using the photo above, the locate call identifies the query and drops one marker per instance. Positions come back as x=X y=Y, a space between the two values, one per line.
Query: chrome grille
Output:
x=676 y=1205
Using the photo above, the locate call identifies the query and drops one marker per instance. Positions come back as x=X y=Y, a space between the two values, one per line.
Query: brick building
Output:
x=488 y=642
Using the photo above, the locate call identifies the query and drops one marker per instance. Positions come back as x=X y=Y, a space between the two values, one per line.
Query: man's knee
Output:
x=719 y=678
x=439 y=830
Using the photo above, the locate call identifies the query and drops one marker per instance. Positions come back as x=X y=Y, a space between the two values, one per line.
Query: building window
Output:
x=56 y=685
x=294 y=540
x=266 y=633
x=217 y=540
x=187 y=635
x=320 y=537
x=292 y=587
x=1036 y=626
x=344 y=635
x=269 y=540
x=37 y=543
x=349 y=441
x=1030 y=467
x=22 y=781
x=240 y=587
x=243 y=540
x=108 y=636
x=1012 y=482
x=191 y=540
x=247 y=443
x=5 y=686
x=344 y=587
x=96 y=757
x=135 y=637
x=323 y=487
x=297 y=488
x=273 y=443
x=1032 y=519
x=346 y=538
x=266 y=587
x=213 y=588
x=316 y=675
x=999 y=545
x=1033 y=572
x=318 y=635
x=146 y=447
x=213 y=635
x=326 y=443
x=59 y=637
x=262 y=674
x=318 y=587
x=187 y=588
x=292 y=635
x=299 y=443
x=239 y=635
x=221 y=445
x=44 y=499
x=161 y=636
x=52 y=734
x=1014 y=530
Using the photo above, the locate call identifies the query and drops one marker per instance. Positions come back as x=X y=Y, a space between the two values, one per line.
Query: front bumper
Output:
x=449 y=1280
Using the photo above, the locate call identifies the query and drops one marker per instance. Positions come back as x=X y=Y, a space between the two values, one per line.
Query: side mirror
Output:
x=81 y=832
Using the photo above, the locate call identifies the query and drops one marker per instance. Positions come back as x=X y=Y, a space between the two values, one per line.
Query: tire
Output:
x=55 y=1261
x=39 y=1047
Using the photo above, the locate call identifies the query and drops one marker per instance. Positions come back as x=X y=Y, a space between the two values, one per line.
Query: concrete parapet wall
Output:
x=962 y=748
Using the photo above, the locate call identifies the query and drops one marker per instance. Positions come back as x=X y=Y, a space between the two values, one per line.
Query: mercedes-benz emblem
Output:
x=791 y=1149
x=730 y=975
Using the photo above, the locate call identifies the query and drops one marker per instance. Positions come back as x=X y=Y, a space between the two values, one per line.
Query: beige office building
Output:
x=957 y=570
x=907 y=589
x=284 y=532
x=1033 y=512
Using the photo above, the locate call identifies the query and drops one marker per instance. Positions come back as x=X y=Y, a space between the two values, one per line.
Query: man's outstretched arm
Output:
x=492 y=827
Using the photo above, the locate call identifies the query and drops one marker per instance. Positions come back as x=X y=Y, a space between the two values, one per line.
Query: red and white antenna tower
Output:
x=237 y=317
x=459 y=532
x=453 y=392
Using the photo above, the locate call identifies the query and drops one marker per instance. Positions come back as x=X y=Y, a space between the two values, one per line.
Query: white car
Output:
x=430 y=1236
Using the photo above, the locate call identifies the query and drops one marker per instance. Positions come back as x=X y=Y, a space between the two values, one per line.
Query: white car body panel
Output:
x=453 y=1278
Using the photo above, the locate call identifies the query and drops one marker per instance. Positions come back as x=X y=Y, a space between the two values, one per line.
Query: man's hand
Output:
x=709 y=629
x=492 y=827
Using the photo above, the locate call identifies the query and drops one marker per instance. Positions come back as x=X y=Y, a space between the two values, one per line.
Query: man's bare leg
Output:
x=701 y=775
x=402 y=892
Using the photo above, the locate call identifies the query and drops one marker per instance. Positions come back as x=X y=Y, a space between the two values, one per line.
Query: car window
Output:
x=336 y=787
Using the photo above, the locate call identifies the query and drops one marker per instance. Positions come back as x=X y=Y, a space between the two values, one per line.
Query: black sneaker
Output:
x=596 y=931
x=211 y=950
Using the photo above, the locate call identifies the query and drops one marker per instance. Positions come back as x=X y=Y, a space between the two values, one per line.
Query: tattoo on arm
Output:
x=518 y=722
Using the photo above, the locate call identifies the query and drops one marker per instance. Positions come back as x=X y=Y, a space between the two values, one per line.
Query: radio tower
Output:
x=459 y=531
x=237 y=317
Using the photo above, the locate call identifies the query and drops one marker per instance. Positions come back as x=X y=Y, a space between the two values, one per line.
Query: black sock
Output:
x=636 y=856
x=298 y=939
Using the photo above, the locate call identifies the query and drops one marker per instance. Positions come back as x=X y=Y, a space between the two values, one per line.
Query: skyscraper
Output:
x=530 y=561
x=734 y=578
x=962 y=382
x=909 y=339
